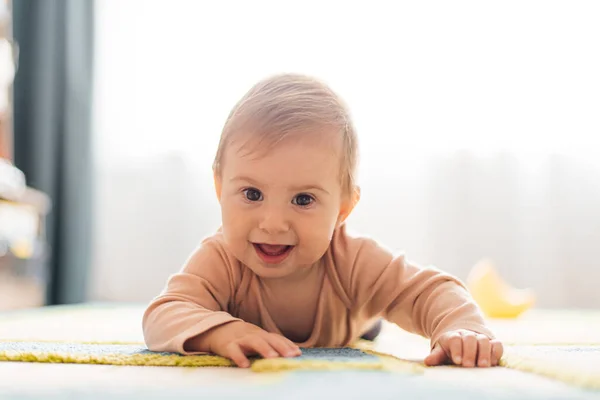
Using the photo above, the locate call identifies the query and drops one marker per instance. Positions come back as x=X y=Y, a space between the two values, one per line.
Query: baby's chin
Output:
x=289 y=268
x=265 y=270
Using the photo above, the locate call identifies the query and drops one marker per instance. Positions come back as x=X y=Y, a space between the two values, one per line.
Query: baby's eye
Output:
x=253 y=194
x=303 y=200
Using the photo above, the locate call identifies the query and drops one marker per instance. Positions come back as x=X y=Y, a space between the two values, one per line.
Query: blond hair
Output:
x=289 y=105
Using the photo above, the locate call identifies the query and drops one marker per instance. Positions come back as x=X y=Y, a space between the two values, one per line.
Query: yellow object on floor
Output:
x=494 y=296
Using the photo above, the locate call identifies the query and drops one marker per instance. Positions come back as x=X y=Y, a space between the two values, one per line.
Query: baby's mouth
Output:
x=272 y=249
x=272 y=253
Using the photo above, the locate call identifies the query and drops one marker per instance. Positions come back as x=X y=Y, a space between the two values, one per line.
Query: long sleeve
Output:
x=425 y=301
x=195 y=300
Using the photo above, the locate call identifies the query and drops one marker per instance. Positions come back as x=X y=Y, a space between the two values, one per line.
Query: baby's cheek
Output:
x=234 y=223
x=320 y=238
x=233 y=235
x=237 y=247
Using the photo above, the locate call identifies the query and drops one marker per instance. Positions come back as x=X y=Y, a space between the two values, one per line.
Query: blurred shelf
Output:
x=23 y=247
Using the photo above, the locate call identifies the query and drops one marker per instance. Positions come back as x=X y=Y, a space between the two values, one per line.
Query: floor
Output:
x=122 y=323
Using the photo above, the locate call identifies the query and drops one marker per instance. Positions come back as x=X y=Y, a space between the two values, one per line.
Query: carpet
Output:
x=537 y=344
x=575 y=365
x=139 y=355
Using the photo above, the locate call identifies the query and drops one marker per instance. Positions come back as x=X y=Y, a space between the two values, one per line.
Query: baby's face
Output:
x=279 y=210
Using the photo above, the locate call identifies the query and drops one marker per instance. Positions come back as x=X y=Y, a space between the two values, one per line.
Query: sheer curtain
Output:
x=478 y=123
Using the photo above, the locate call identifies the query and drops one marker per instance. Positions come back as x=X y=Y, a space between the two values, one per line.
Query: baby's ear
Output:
x=217 y=180
x=348 y=205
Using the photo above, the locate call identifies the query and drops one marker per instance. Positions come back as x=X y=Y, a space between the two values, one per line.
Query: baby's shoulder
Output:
x=357 y=261
x=347 y=246
x=352 y=254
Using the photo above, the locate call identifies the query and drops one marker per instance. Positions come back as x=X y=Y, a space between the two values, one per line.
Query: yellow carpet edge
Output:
x=550 y=370
x=385 y=361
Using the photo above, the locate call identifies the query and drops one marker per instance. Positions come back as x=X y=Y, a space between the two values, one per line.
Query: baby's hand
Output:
x=465 y=348
x=238 y=339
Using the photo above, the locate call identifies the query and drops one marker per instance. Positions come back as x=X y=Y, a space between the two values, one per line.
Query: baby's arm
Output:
x=425 y=301
x=190 y=316
x=194 y=301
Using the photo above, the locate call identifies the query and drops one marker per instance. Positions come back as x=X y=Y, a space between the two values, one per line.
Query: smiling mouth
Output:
x=272 y=253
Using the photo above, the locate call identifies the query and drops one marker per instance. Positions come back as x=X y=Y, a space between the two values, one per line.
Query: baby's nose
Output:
x=274 y=221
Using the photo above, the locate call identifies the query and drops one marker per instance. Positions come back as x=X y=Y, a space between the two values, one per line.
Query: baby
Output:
x=282 y=272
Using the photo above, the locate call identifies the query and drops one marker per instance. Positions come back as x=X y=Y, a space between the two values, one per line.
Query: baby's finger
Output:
x=454 y=345
x=469 y=341
x=292 y=345
x=259 y=345
x=437 y=356
x=484 y=351
x=237 y=355
x=497 y=351
x=282 y=346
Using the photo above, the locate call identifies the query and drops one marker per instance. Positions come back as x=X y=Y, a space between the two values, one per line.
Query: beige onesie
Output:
x=337 y=300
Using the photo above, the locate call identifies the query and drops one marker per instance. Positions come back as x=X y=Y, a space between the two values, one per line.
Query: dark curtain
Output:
x=52 y=115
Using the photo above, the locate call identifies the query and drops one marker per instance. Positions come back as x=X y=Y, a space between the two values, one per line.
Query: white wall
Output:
x=478 y=125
